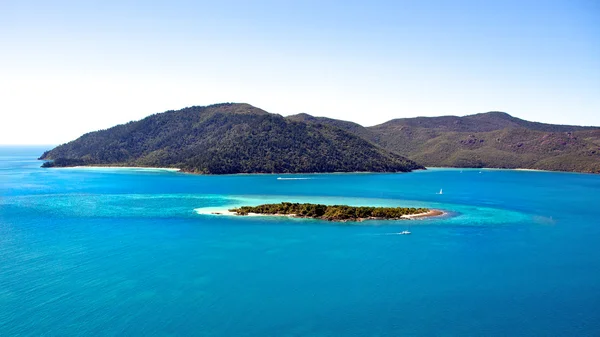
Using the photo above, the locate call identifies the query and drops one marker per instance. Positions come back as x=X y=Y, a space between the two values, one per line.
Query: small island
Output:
x=336 y=212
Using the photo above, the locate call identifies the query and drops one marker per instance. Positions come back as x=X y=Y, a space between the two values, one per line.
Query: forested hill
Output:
x=492 y=139
x=228 y=138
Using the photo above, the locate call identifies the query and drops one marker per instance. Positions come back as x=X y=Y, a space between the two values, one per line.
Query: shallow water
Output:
x=125 y=252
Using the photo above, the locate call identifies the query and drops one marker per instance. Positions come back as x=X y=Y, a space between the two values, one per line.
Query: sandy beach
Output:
x=431 y=213
x=125 y=168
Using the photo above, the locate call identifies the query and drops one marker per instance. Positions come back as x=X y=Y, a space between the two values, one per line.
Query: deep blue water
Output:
x=125 y=252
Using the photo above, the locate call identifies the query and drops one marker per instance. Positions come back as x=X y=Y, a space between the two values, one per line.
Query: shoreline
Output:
x=172 y=169
x=428 y=168
x=225 y=212
x=453 y=168
x=431 y=213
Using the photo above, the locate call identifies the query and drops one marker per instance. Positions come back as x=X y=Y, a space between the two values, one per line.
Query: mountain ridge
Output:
x=228 y=138
x=485 y=121
x=492 y=139
x=240 y=138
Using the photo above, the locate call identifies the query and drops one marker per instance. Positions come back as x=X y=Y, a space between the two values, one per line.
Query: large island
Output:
x=226 y=139
x=336 y=212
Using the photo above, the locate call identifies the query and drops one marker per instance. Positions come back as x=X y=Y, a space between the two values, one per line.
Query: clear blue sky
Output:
x=69 y=67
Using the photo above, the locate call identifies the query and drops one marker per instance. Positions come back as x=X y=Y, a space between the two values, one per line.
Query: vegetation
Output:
x=63 y=162
x=228 y=138
x=493 y=139
x=331 y=213
x=239 y=138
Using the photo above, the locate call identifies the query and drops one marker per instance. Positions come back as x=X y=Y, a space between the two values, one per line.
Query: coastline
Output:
x=122 y=167
x=431 y=213
x=173 y=169
x=284 y=174
x=518 y=169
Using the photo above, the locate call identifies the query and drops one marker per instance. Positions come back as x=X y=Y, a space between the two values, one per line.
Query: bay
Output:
x=112 y=252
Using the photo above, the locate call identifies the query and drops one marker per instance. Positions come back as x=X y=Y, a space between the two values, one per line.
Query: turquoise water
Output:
x=111 y=252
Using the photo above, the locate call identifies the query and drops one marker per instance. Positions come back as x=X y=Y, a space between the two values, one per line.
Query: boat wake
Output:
x=281 y=178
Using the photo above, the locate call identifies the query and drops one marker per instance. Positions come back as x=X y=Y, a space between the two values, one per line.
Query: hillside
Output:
x=482 y=122
x=352 y=127
x=493 y=139
x=228 y=138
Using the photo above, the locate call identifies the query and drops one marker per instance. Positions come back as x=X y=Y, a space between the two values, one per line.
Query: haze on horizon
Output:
x=70 y=67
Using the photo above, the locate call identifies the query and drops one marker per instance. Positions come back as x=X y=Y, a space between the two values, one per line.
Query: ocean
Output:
x=129 y=252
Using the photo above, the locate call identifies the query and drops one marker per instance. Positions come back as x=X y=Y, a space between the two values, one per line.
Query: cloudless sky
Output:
x=70 y=67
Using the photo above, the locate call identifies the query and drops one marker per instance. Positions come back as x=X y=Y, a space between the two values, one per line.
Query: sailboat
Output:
x=441 y=192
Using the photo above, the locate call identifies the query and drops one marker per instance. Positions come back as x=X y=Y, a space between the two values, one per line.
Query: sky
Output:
x=71 y=67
